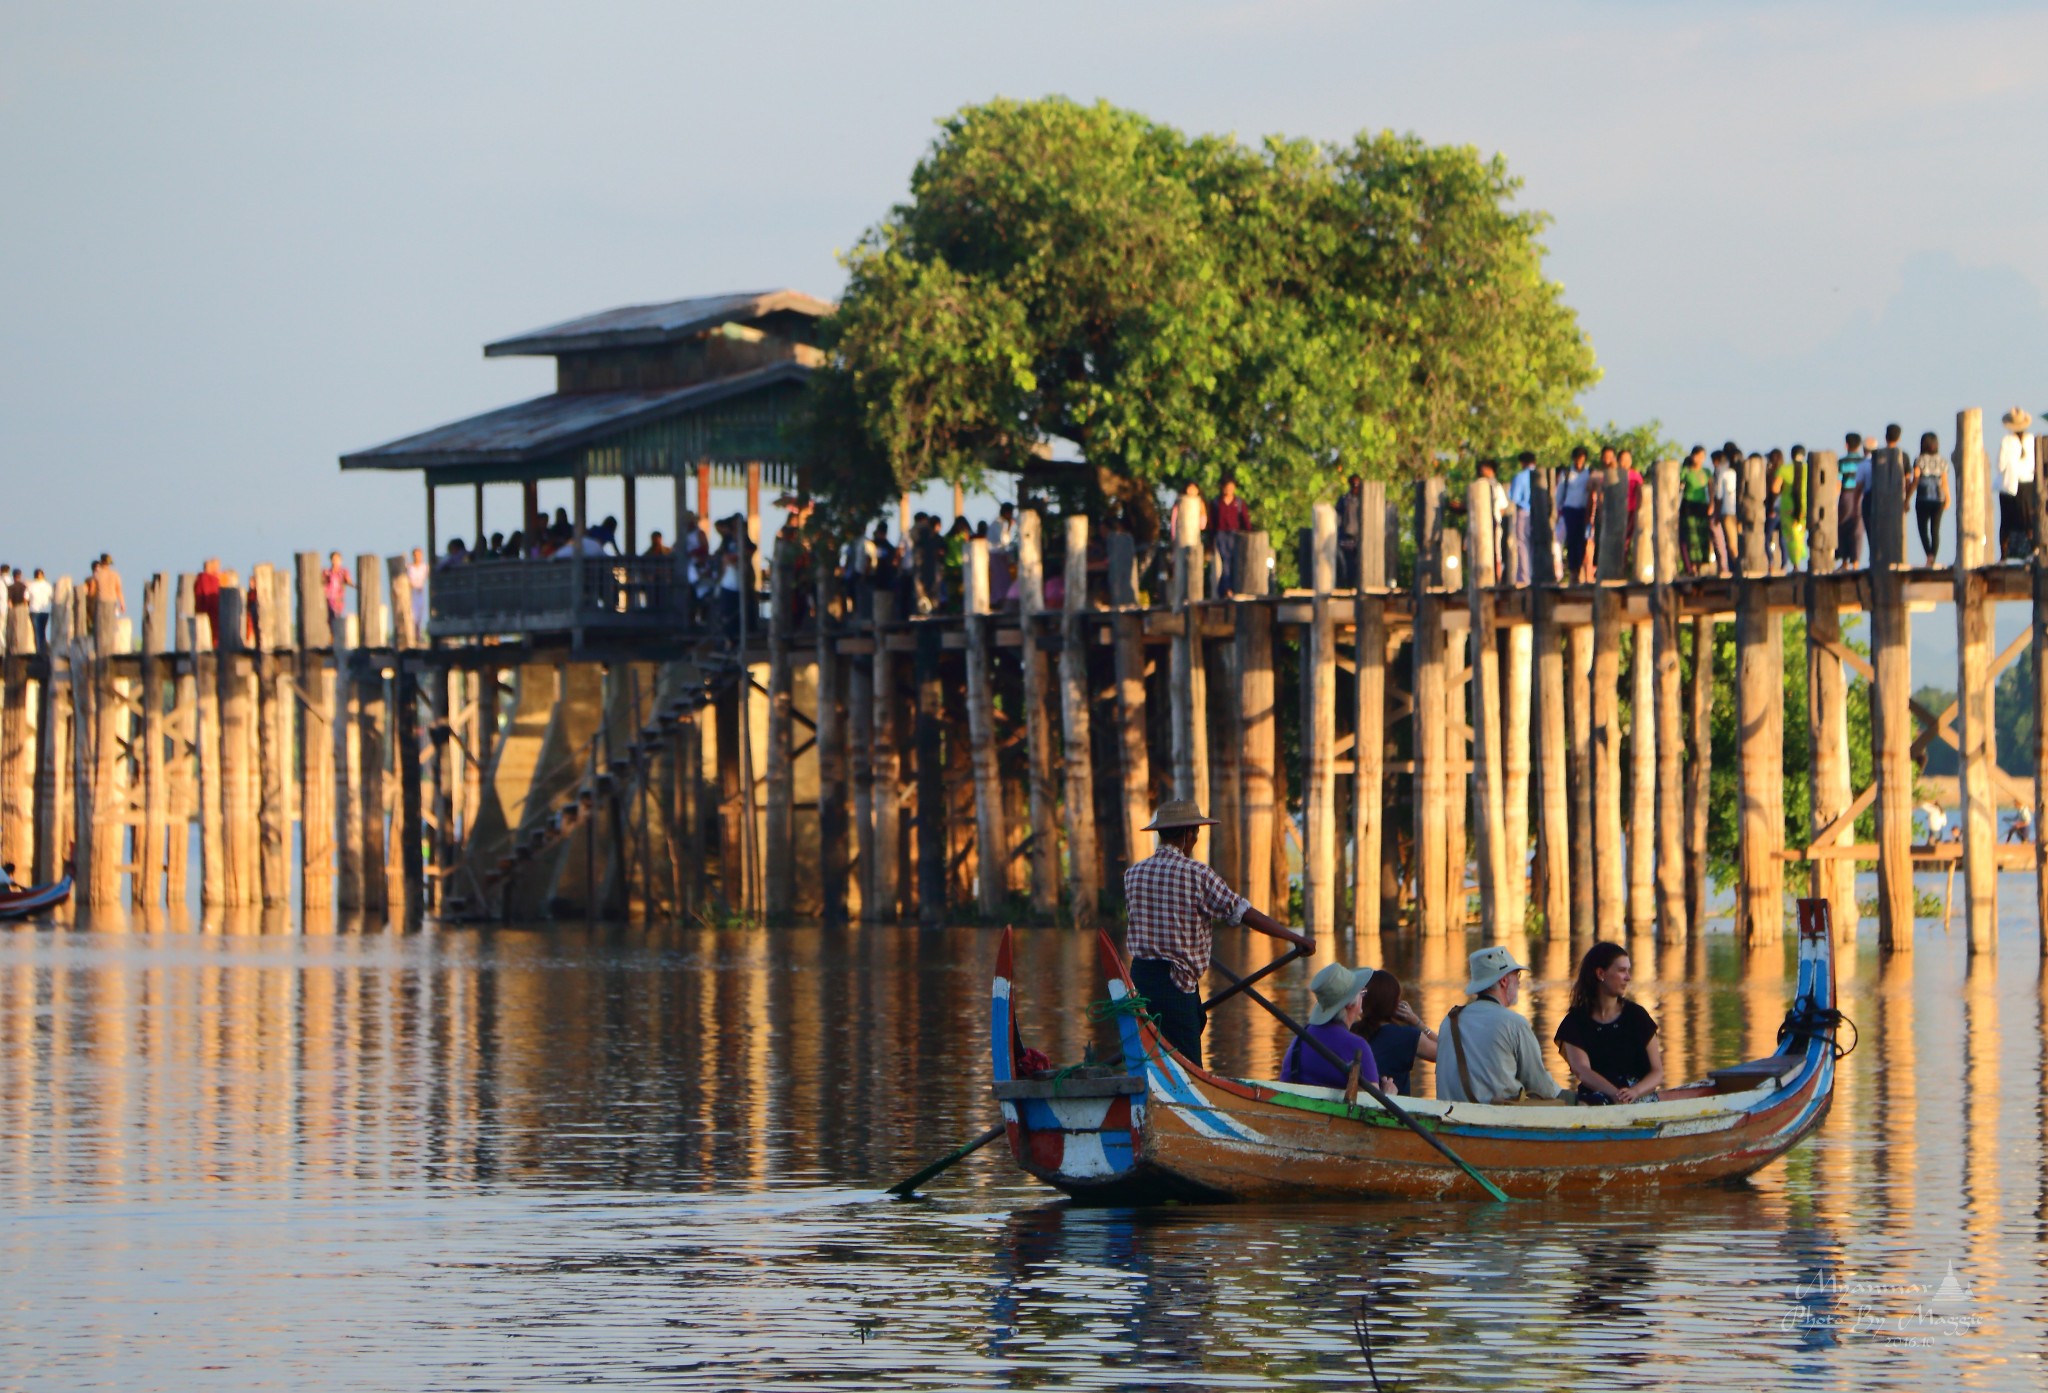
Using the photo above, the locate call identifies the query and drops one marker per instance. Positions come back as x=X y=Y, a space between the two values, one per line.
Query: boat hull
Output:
x=1167 y=1130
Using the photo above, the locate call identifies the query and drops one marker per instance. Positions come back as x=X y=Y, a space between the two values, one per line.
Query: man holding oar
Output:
x=1172 y=899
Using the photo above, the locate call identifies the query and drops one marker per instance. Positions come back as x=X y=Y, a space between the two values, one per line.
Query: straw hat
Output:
x=1176 y=813
x=2017 y=418
x=1488 y=966
x=1334 y=988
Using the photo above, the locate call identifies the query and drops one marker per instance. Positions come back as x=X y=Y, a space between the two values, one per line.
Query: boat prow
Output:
x=1160 y=1128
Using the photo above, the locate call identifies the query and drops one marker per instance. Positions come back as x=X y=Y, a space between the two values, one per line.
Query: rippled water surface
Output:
x=563 y=1155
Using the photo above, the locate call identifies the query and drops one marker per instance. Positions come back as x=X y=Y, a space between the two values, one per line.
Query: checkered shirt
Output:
x=1171 y=899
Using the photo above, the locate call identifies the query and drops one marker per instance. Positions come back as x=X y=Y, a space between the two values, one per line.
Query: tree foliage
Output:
x=1174 y=307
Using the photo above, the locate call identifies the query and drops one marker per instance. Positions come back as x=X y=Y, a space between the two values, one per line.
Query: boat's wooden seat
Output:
x=1739 y=1078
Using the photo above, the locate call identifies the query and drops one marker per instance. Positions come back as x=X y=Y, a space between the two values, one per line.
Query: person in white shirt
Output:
x=416 y=577
x=2016 y=487
x=1727 y=491
x=1936 y=819
x=40 y=594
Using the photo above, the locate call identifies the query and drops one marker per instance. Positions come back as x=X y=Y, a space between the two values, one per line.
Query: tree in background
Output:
x=1176 y=308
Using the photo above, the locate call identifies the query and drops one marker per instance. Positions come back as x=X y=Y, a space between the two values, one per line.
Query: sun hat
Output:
x=1488 y=966
x=1334 y=988
x=1176 y=813
x=2017 y=418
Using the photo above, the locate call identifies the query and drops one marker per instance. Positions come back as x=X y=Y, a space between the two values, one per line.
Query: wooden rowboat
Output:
x=1163 y=1129
x=20 y=904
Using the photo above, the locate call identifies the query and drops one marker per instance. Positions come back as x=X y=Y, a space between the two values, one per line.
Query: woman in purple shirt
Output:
x=1336 y=992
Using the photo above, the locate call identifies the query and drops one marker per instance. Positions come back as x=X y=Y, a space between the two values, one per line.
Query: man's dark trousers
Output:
x=1178 y=1014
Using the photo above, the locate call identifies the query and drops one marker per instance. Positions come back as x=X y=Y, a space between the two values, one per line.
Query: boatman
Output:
x=1172 y=899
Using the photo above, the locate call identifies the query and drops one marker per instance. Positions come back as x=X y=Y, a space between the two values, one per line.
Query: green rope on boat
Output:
x=1110 y=1008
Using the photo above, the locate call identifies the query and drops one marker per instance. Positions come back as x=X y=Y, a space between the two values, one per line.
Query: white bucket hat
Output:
x=1488 y=966
x=1334 y=988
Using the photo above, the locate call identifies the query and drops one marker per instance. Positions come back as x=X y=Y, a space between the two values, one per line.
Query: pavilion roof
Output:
x=660 y=431
x=639 y=325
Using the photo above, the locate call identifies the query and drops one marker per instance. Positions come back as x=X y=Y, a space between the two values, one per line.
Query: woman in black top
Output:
x=1397 y=1036
x=1609 y=1041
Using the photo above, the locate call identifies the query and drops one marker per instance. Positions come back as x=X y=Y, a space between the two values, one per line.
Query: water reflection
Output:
x=238 y=1155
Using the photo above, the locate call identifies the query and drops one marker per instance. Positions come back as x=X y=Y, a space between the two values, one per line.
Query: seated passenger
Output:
x=1609 y=1041
x=455 y=556
x=1486 y=1051
x=1389 y=1025
x=1335 y=991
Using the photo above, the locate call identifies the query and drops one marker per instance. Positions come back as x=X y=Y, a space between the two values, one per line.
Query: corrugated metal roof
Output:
x=552 y=425
x=635 y=325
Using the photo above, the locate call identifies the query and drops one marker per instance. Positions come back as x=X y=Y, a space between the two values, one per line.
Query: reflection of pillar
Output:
x=1983 y=1052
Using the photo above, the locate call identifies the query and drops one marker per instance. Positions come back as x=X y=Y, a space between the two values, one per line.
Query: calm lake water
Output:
x=551 y=1156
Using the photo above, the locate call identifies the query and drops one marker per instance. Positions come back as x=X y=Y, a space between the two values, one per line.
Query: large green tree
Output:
x=1174 y=307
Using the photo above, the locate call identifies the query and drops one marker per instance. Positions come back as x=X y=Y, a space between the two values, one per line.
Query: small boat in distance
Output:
x=34 y=899
x=1160 y=1128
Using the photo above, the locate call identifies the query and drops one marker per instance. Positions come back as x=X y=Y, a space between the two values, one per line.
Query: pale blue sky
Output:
x=239 y=240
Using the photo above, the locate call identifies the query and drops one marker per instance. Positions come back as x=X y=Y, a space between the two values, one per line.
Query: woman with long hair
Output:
x=1930 y=493
x=1609 y=1041
x=1397 y=1036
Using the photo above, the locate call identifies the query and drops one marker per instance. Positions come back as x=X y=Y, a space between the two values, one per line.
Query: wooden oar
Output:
x=904 y=1189
x=1406 y=1118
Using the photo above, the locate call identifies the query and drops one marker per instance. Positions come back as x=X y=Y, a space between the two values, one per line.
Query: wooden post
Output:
x=412 y=867
x=182 y=781
x=1256 y=714
x=1037 y=723
x=1128 y=629
x=831 y=736
x=1456 y=724
x=1827 y=698
x=1084 y=886
x=18 y=833
x=1189 y=678
x=1369 y=723
x=928 y=740
x=1610 y=865
x=886 y=766
x=1499 y=892
x=1891 y=718
x=213 y=851
x=1517 y=677
x=1699 y=772
x=315 y=699
x=151 y=838
x=991 y=844
x=239 y=866
x=779 y=856
x=1642 y=735
x=371 y=722
x=1665 y=624
x=1760 y=724
x=1432 y=774
x=53 y=775
x=1551 y=721
x=344 y=716
x=274 y=740
x=1976 y=698
x=2040 y=641
x=1319 y=735
x=1585 y=830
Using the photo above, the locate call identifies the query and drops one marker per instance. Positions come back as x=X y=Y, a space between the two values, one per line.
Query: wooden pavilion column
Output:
x=1976 y=697
x=1665 y=623
x=1128 y=628
x=991 y=845
x=1253 y=639
x=1609 y=849
x=1432 y=776
x=1642 y=733
x=1189 y=677
x=1550 y=722
x=1084 y=884
x=1760 y=725
x=1499 y=894
x=1891 y=714
x=1827 y=697
x=1369 y=741
x=1319 y=735
x=1044 y=861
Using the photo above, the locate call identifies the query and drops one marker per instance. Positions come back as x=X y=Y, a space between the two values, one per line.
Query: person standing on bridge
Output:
x=1171 y=900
